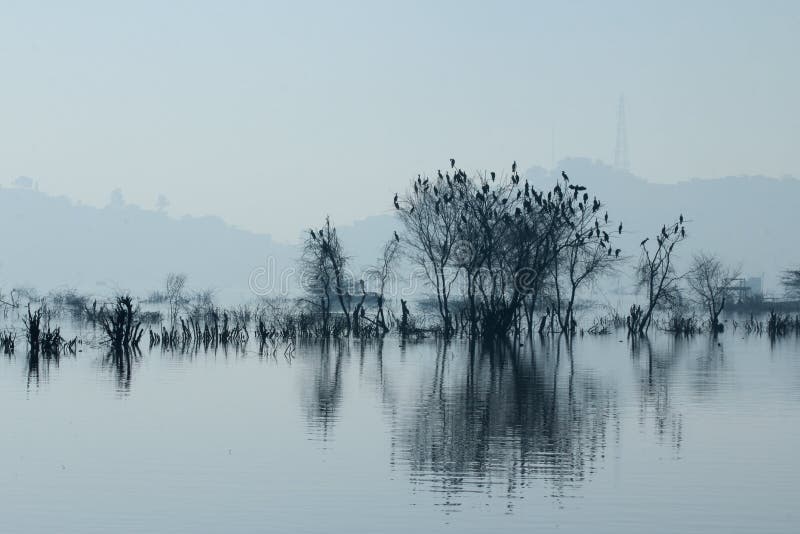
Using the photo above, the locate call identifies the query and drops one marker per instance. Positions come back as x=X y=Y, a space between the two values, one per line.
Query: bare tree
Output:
x=431 y=218
x=325 y=265
x=505 y=238
x=790 y=280
x=381 y=273
x=656 y=273
x=174 y=287
x=710 y=282
x=584 y=253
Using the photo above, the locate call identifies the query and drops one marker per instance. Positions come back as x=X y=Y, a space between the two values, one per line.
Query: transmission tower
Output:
x=621 y=160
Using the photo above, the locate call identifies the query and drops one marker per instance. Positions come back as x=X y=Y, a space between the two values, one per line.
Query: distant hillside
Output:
x=50 y=242
x=746 y=220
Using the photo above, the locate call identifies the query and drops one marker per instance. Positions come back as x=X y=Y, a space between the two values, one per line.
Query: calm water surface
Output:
x=671 y=436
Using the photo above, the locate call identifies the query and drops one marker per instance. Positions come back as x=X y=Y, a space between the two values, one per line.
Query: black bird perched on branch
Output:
x=396 y=237
x=620 y=228
x=681 y=218
x=313 y=235
x=492 y=174
x=396 y=205
x=606 y=217
x=452 y=163
x=645 y=240
x=564 y=176
x=514 y=166
x=683 y=231
x=616 y=253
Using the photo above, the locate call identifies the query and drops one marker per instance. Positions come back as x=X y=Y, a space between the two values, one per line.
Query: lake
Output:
x=670 y=435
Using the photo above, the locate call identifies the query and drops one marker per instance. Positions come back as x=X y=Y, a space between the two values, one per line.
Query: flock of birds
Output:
x=560 y=201
x=666 y=233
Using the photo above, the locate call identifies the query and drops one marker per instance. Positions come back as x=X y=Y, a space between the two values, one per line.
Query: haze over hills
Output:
x=51 y=242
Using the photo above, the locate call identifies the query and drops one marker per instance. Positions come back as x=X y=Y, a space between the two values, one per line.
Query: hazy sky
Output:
x=273 y=114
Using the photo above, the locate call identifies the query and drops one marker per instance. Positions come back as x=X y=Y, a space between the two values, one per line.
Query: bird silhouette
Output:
x=313 y=235
x=683 y=232
x=681 y=218
x=564 y=176
x=616 y=253
x=396 y=237
x=492 y=173
x=645 y=240
x=606 y=217
x=396 y=205
x=514 y=166
x=620 y=228
x=452 y=163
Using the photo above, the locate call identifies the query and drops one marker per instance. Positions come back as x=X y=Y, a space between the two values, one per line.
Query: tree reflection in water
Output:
x=472 y=418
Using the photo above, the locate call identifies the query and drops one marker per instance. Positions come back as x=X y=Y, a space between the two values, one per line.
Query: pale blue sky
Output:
x=273 y=114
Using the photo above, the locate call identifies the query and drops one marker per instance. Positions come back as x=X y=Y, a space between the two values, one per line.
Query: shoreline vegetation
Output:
x=502 y=260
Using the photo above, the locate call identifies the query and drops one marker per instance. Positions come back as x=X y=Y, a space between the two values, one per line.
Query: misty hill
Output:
x=50 y=242
x=746 y=220
x=749 y=221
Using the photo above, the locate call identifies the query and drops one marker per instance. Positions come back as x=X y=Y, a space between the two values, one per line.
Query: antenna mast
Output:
x=621 y=160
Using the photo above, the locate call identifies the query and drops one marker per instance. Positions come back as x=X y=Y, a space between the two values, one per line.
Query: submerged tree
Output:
x=431 y=235
x=122 y=325
x=656 y=273
x=174 y=287
x=381 y=273
x=710 y=282
x=504 y=238
x=582 y=257
x=325 y=276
